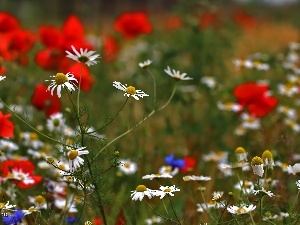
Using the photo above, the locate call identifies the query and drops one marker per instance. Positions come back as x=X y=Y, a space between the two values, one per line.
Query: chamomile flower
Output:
x=229 y=106
x=74 y=158
x=6 y=206
x=166 y=190
x=145 y=63
x=31 y=139
x=241 y=154
x=196 y=178
x=56 y=122
x=295 y=169
x=60 y=81
x=209 y=81
x=289 y=112
x=154 y=220
x=155 y=176
x=21 y=176
x=288 y=90
x=39 y=202
x=250 y=122
x=245 y=186
x=168 y=170
x=282 y=165
x=292 y=124
x=140 y=192
x=217 y=195
x=30 y=210
x=218 y=156
x=2 y=78
x=264 y=192
x=127 y=166
x=176 y=74
x=243 y=209
x=130 y=90
x=68 y=205
x=267 y=158
x=257 y=165
x=84 y=56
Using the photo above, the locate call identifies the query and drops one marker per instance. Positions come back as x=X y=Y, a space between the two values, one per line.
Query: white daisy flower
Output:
x=240 y=130
x=168 y=170
x=245 y=186
x=84 y=56
x=74 y=158
x=292 y=124
x=250 y=122
x=31 y=139
x=6 y=206
x=145 y=63
x=8 y=145
x=226 y=169
x=217 y=195
x=218 y=156
x=154 y=220
x=56 y=122
x=63 y=204
x=229 y=106
x=241 y=154
x=288 y=90
x=295 y=169
x=140 y=192
x=243 y=209
x=2 y=78
x=282 y=165
x=201 y=207
x=155 y=176
x=166 y=190
x=127 y=166
x=196 y=178
x=176 y=74
x=289 y=112
x=21 y=176
x=62 y=80
x=129 y=91
x=263 y=191
x=209 y=81
x=30 y=210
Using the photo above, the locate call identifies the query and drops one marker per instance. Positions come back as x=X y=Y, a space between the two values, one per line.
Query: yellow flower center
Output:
x=240 y=150
x=141 y=188
x=39 y=199
x=186 y=178
x=284 y=165
x=62 y=167
x=33 y=136
x=50 y=160
x=168 y=169
x=130 y=90
x=2 y=205
x=21 y=177
x=167 y=190
x=250 y=119
x=73 y=154
x=241 y=210
x=256 y=161
x=246 y=184
x=127 y=165
x=60 y=78
x=31 y=209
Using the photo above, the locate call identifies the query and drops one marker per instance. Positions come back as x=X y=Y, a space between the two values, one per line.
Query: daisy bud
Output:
x=241 y=154
x=267 y=158
x=257 y=165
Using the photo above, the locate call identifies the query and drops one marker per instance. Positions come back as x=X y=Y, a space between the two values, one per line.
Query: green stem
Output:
x=154 y=86
x=78 y=94
x=139 y=123
x=110 y=120
x=173 y=209
x=24 y=121
x=227 y=203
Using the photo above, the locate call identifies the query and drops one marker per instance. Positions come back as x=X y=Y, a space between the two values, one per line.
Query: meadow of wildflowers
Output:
x=186 y=116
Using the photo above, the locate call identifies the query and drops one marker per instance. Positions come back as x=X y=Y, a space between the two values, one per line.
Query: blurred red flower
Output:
x=110 y=48
x=133 y=24
x=173 y=23
x=208 y=19
x=57 y=41
x=97 y=221
x=15 y=42
x=43 y=100
x=6 y=126
x=256 y=98
x=24 y=166
x=86 y=79
x=189 y=164
x=245 y=20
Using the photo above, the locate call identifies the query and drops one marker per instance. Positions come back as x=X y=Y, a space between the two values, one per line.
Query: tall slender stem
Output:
x=173 y=209
x=79 y=85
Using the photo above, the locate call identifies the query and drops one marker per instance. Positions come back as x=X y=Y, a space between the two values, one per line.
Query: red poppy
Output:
x=8 y=22
x=173 y=23
x=57 y=41
x=24 y=166
x=6 y=126
x=208 y=19
x=110 y=48
x=245 y=20
x=86 y=79
x=2 y=70
x=97 y=221
x=255 y=97
x=133 y=24
x=189 y=164
x=43 y=100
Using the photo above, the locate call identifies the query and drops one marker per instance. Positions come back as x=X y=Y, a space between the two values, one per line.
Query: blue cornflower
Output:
x=171 y=161
x=15 y=218
x=71 y=219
